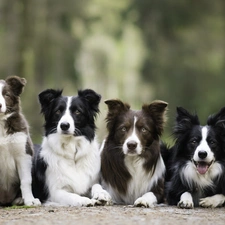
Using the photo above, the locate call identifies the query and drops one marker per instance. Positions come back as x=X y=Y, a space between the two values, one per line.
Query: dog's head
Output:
x=70 y=116
x=202 y=145
x=10 y=90
x=135 y=131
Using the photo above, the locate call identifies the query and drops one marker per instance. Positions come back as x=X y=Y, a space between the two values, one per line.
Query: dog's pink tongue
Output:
x=202 y=168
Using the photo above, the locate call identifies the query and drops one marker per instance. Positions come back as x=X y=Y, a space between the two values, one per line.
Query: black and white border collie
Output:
x=68 y=163
x=16 y=148
x=198 y=161
x=131 y=164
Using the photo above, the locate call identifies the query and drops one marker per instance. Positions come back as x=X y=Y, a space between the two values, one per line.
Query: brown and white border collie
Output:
x=131 y=164
x=16 y=148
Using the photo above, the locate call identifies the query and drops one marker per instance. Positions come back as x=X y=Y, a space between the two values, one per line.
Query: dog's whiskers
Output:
x=53 y=130
x=77 y=132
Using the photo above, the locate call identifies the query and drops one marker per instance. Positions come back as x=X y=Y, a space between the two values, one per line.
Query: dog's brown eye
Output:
x=58 y=112
x=143 y=130
x=7 y=94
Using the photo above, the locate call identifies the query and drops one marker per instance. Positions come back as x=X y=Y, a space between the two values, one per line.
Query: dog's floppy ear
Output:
x=157 y=110
x=115 y=107
x=91 y=97
x=46 y=97
x=16 y=83
x=218 y=119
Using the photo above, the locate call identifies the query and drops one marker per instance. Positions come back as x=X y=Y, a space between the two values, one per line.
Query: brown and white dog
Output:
x=131 y=164
x=16 y=147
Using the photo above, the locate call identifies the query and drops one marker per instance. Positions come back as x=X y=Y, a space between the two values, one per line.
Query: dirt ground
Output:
x=111 y=215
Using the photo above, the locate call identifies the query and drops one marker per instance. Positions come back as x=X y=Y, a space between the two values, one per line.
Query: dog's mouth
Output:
x=202 y=166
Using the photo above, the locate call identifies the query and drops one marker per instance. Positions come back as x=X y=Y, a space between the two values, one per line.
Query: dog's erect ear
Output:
x=184 y=121
x=91 y=97
x=157 y=110
x=46 y=97
x=218 y=119
x=17 y=84
x=184 y=117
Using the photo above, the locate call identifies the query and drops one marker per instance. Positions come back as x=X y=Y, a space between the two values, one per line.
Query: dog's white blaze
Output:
x=133 y=137
x=2 y=99
x=67 y=118
x=203 y=146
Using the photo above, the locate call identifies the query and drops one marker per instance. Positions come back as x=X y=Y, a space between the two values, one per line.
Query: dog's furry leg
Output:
x=66 y=198
x=24 y=169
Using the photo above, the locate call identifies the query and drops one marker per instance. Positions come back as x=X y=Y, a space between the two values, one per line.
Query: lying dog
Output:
x=197 y=161
x=16 y=148
x=132 y=167
x=67 y=165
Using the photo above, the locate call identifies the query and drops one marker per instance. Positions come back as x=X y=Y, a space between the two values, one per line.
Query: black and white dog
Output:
x=16 y=148
x=131 y=164
x=67 y=165
x=197 y=162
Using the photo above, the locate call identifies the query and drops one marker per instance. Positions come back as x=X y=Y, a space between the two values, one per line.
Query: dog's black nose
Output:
x=132 y=145
x=202 y=154
x=65 y=126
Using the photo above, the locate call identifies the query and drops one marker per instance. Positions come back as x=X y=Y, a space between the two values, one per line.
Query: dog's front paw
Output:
x=100 y=195
x=185 y=204
x=88 y=202
x=103 y=198
x=32 y=202
x=213 y=201
x=147 y=200
x=186 y=201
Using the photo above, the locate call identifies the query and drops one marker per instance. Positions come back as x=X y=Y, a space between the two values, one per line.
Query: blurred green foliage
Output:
x=137 y=50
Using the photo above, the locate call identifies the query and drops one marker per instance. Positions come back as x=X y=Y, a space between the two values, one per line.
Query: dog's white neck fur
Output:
x=141 y=181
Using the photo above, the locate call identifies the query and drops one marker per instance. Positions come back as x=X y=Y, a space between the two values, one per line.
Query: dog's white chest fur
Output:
x=73 y=163
x=141 y=181
x=12 y=148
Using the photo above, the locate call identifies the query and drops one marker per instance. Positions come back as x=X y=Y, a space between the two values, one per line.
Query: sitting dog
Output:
x=16 y=148
x=197 y=161
x=67 y=165
x=131 y=164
